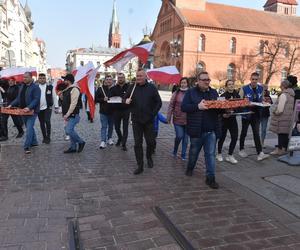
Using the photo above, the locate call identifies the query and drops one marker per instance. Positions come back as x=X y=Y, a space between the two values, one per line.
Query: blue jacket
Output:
x=200 y=121
x=32 y=97
x=159 y=118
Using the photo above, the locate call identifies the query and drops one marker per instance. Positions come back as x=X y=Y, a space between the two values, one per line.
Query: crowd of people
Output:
x=140 y=103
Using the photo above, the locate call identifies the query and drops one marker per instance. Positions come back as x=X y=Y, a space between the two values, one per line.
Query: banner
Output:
x=294 y=142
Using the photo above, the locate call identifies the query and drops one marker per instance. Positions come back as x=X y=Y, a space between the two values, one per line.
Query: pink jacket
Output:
x=179 y=117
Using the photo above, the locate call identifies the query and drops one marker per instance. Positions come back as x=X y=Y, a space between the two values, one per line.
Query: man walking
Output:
x=202 y=126
x=46 y=104
x=106 y=112
x=11 y=95
x=29 y=100
x=71 y=104
x=254 y=93
x=145 y=103
x=121 y=111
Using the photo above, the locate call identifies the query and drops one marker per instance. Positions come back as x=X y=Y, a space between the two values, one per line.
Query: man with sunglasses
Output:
x=254 y=92
x=202 y=126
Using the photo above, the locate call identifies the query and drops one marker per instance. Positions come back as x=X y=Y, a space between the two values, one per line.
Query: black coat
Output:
x=105 y=108
x=117 y=90
x=145 y=104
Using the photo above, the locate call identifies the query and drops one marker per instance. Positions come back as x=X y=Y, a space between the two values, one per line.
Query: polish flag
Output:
x=167 y=75
x=120 y=60
x=85 y=80
x=17 y=73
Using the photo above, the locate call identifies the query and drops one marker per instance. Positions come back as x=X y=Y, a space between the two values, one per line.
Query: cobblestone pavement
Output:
x=40 y=192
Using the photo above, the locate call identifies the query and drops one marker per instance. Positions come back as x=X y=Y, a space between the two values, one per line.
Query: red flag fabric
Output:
x=120 y=60
x=165 y=75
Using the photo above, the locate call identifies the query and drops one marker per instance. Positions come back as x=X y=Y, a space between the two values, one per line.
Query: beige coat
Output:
x=281 y=120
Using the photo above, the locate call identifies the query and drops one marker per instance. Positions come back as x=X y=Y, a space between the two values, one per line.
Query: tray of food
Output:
x=15 y=111
x=227 y=104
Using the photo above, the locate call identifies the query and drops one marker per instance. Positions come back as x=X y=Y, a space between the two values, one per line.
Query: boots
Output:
x=139 y=170
x=211 y=182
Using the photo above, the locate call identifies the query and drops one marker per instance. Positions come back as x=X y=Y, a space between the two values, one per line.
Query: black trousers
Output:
x=17 y=120
x=231 y=125
x=254 y=123
x=283 y=141
x=141 y=130
x=45 y=122
x=121 y=116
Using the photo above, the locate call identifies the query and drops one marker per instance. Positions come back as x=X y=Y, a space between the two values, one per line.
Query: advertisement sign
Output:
x=294 y=142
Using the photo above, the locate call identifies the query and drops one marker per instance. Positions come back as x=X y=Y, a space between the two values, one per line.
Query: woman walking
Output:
x=179 y=118
x=229 y=122
x=281 y=120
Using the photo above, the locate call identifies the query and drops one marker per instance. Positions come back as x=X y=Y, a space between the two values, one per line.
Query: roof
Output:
x=289 y=2
x=227 y=17
x=101 y=50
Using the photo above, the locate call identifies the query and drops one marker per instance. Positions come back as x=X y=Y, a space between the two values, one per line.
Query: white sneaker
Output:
x=67 y=138
x=102 y=145
x=110 y=142
x=219 y=157
x=262 y=156
x=231 y=159
x=243 y=154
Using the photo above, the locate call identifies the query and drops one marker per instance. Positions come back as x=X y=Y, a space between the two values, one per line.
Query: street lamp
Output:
x=175 y=45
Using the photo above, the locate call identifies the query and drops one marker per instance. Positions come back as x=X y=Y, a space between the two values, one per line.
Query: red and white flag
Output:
x=85 y=80
x=120 y=60
x=167 y=75
x=17 y=73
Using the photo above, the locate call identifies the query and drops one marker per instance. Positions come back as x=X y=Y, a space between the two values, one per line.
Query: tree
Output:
x=245 y=66
x=220 y=76
x=293 y=54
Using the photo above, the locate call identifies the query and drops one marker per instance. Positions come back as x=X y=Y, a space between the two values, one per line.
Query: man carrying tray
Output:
x=254 y=93
x=28 y=99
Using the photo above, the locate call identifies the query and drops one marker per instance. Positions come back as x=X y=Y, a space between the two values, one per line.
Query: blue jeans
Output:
x=30 y=138
x=208 y=141
x=263 y=127
x=70 y=130
x=107 y=126
x=181 y=135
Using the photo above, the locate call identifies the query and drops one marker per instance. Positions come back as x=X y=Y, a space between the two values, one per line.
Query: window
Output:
x=260 y=71
x=286 y=11
x=233 y=45
x=21 y=55
x=231 y=72
x=20 y=35
x=287 y=50
x=261 y=47
x=201 y=45
x=284 y=74
x=81 y=63
x=98 y=63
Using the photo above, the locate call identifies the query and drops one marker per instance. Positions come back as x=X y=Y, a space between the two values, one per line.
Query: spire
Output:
x=27 y=10
x=114 y=39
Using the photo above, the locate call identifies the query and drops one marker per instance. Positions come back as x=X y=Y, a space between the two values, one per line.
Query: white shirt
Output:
x=43 y=102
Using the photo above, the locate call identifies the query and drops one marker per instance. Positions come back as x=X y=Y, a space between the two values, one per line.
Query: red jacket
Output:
x=174 y=110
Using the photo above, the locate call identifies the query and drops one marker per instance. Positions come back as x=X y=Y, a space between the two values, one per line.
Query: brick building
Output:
x=229 y=41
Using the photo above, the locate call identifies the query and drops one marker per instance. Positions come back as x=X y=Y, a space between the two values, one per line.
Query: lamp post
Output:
x=175 y=49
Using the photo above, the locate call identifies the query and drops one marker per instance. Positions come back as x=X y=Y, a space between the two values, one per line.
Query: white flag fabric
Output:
x=165 y=75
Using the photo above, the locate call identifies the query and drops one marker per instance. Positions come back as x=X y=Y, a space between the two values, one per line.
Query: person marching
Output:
x=28 y=99
x=229 y=122
x=179 y=118
x=121 y=111
x=254 y=92
x=46 y=103
x=106 y=113
x=202 y=127
x=71 y=104
x=145 y=104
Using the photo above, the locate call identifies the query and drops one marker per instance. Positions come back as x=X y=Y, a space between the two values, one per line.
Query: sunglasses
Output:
x=205 y=80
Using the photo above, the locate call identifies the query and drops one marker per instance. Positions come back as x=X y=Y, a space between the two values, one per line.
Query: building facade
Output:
x=227 y=41
x=18 y=47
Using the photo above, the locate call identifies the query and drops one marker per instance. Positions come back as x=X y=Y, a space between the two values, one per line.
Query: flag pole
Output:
x=101 y=86
x=135 y=84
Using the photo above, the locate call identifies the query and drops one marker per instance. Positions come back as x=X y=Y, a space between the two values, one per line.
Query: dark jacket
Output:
x=145 y=103
x=200 y=121
x=49 y=96
x=105 y=108
x=228 y=96
x=12 y=93
x=66 y=102
x=32 y=97
x=265 y=111
x=117 y=90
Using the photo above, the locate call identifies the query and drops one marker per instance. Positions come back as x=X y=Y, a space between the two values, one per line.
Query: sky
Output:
x=70 y=24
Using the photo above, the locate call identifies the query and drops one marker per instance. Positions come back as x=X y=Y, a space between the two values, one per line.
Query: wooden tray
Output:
x=227 y=104
x=15 y=111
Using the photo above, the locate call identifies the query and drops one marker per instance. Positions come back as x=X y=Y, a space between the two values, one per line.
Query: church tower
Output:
x=114 y=38
x=284 y=7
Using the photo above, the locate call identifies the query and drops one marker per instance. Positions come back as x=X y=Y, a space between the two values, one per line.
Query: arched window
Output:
x=200 y=67
x=231 y=71
x=201 y=44
x=284 y=73
x=260 y=71
x=261 y=47
x=287 y=50
x=233 y=45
